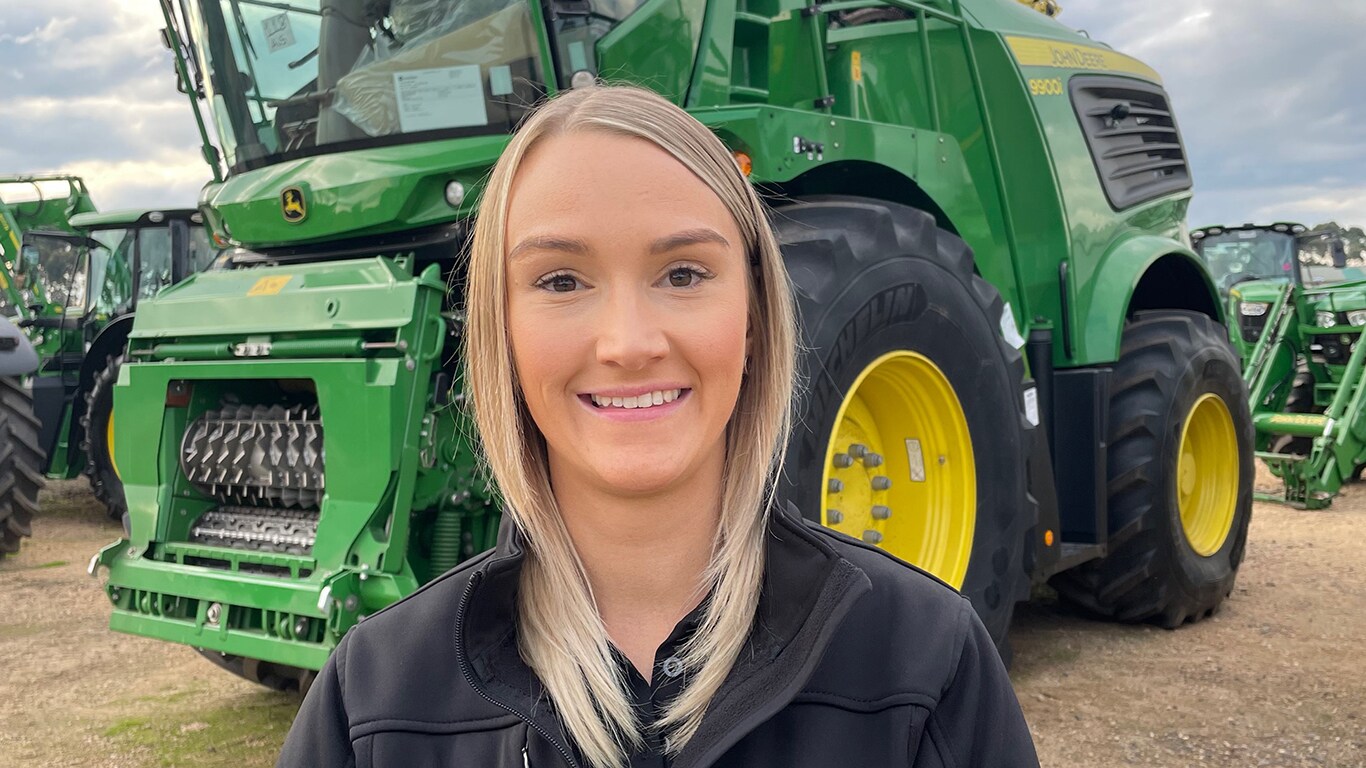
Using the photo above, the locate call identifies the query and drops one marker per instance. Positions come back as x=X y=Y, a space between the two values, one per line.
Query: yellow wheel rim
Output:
x=109 y=443
x=899 y=469
x=1207 y=475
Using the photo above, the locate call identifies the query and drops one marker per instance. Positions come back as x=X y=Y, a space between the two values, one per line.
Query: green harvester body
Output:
x=341 y=311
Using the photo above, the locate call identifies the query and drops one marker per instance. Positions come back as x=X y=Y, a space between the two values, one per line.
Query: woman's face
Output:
x=627 y=310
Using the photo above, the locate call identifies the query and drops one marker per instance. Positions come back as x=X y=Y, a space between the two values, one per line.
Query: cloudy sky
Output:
x=1270 y=95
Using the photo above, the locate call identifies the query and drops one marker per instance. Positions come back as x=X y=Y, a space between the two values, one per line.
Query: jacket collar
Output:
x=808 y=588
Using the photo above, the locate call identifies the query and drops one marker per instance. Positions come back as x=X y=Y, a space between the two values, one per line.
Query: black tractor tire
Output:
x=278 y=677
x=21 y=464
x=1168 y=361
x=99 y=462
x=873 y=277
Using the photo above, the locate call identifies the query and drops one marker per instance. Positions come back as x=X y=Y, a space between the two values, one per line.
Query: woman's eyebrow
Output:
x=549 y=243
x=688 y=237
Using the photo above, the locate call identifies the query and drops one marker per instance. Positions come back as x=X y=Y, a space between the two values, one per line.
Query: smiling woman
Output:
x=630 y=358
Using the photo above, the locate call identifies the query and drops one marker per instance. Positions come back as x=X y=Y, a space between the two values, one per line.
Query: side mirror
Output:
x=1339 y=254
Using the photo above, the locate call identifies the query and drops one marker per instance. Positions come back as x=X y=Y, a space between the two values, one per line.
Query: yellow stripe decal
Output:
x=1035 y=52
x=1303 y=419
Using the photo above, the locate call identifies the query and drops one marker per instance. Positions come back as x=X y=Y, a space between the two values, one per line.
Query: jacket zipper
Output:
x=469 y=678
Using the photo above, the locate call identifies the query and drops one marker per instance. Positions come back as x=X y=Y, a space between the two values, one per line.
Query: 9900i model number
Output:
x=1047 y=86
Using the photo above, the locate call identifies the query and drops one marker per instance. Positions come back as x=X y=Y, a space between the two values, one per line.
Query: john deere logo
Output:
x=292 y=204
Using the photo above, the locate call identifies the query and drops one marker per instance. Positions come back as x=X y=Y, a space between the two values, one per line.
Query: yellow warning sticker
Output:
x=856 y=66
x=1035 y=52
x=269 y=286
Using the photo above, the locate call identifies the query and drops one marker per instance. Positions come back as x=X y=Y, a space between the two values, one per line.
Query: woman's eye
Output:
x=685 y=277
x=560 y=283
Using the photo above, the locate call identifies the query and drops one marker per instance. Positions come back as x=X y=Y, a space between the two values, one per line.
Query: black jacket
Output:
x=856 y=660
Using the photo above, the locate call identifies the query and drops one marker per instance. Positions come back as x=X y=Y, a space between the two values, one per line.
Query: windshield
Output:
x=1239 y=255
x=53 y=272
x=289 y=79
x=111 y=271
x=202 y=251
x=1316 y=262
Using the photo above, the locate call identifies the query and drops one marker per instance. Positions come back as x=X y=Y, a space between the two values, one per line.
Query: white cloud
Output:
x=93 y=93
x=171 y=177
x=49 y=32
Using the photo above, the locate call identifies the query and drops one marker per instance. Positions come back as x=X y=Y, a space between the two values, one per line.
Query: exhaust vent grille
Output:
x=1133 y=138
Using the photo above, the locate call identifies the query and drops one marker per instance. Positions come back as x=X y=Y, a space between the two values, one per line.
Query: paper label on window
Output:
x=448 y=97
x=279 y=32
x=500 y=80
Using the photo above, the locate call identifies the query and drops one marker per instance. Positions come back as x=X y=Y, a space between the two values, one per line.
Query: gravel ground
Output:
x=1277 y=678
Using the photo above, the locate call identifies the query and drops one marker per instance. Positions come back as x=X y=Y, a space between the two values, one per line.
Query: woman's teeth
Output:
x=647 y=400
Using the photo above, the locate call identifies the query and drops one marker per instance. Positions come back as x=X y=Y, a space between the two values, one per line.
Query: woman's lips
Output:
x=661 y=403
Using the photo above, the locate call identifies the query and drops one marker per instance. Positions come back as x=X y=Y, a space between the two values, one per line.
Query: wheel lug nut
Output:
x=880 y=512
x=872 y=537
x=857 y=450
x=871 y=459
x=833 y=517
x=842 y=460
x=836 y=485
x=882 y=483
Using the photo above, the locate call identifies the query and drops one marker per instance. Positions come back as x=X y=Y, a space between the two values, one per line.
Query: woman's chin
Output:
x=639 y=478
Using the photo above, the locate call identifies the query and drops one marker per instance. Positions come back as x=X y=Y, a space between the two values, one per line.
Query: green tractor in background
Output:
x=1018 y=369
x=35 y=203
x=94 y=276
x=21 y=456
x=1304 y=357
x=27 y=203
x=1251 y=265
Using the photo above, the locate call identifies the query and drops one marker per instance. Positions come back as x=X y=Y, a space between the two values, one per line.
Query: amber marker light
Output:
x=1048 y=537
x=746 y=164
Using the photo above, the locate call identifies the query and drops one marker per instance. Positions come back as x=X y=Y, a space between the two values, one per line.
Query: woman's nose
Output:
x=629 y=334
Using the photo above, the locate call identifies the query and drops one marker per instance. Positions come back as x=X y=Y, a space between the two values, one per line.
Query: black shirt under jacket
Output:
x=856 y=659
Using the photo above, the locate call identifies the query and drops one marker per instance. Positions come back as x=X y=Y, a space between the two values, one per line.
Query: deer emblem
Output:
x=292 y=205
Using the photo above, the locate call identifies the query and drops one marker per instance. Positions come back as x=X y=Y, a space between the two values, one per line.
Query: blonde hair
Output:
x=560 y=634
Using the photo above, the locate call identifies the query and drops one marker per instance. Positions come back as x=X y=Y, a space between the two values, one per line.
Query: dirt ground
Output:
x=1277 y=678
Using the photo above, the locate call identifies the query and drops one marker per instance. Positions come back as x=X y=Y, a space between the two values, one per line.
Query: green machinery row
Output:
x=1299 y=309
x=291 y=432
x=72 y=278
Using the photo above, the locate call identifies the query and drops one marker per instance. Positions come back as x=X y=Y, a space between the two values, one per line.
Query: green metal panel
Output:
x=352 y=194
x=338 y=296
x=655 y=45
x=1109 y=283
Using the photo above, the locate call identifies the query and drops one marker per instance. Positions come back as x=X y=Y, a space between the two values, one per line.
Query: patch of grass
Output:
x=247 y=731
x=126 y=725
x=53 y=564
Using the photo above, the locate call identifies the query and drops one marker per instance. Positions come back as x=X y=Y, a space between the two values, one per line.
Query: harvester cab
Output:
x=1305 y=370
x=96 y=275
x=989 y=301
